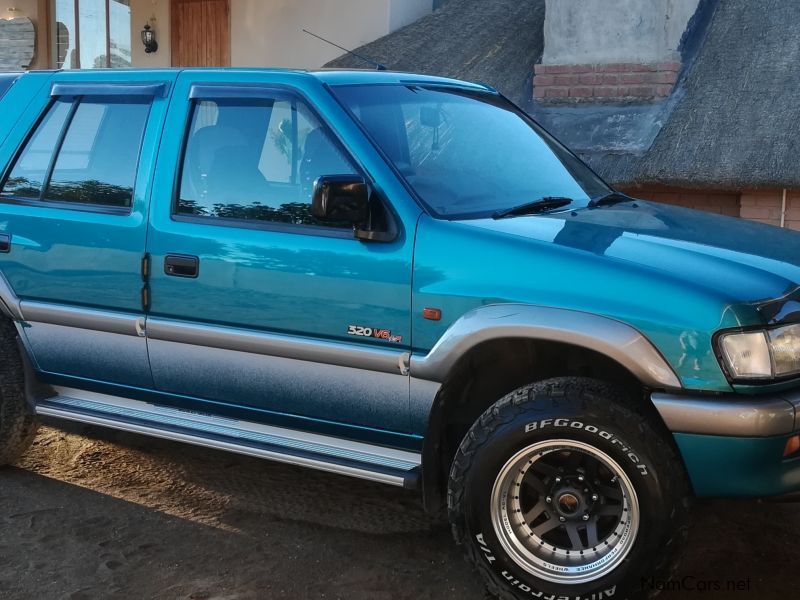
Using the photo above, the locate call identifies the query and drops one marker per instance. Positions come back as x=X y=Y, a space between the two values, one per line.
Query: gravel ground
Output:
x=90 y=513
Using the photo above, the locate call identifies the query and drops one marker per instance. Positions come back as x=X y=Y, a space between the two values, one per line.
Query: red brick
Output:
x=584 y=91
x=663 y=77
x=539 y=92
x=544 y=80
x=611 y=67
x=775 y=199
x=606 y=91
x=795 y=225
x=610 y=78
x=633 y=78
x=641 y=91
x=556 y=92
x=671 y=65
x=539 y=68
x=590 y=79
x=566 y=79
x=663 y=90
x=582 y=68
x=758 y=214
x=638 y=67
x=558 y=69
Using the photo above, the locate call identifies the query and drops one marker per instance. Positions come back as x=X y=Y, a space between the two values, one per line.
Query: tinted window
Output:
x=96 y=160
x=468 y=153
x=27 y=176
x=256 y=160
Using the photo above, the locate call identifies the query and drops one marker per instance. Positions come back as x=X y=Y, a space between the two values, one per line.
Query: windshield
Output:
x=468 y=153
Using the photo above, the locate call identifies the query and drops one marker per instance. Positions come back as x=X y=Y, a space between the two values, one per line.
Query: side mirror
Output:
x=341 y=198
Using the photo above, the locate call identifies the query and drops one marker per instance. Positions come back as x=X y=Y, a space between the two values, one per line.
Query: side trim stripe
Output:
x=332 y=353
x=227 y=338
x=81 y=318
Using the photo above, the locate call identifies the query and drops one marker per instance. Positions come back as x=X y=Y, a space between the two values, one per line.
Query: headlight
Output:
x=767 y=354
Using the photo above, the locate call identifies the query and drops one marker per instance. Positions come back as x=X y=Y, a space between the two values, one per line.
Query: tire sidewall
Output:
x=602 y=432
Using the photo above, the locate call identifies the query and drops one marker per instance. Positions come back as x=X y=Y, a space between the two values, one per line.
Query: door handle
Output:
x=181 y=265
x=5 y=242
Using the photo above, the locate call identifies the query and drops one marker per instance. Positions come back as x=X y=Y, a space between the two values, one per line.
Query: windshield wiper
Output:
x=609 y=199
x=533 y=207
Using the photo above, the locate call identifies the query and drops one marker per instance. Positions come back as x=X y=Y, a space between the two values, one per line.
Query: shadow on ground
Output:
x=95 y=514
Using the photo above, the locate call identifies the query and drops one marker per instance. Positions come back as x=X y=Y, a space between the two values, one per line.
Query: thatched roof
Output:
x=495 y=42
x=732 y=122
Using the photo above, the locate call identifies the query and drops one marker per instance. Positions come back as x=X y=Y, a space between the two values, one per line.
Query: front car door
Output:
x=74 y=201
x=255 y=305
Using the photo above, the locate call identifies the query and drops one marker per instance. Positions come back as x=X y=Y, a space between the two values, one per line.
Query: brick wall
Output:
x=756 y=205
x=766 y=206
x=604 y=82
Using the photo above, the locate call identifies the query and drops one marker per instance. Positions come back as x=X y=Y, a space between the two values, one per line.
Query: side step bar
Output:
x=376 y=463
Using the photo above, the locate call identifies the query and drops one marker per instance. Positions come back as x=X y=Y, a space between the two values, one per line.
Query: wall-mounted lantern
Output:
x=149 y=39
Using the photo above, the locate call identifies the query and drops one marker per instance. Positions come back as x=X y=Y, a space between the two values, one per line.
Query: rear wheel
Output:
x=562 y=488
x=18 y=425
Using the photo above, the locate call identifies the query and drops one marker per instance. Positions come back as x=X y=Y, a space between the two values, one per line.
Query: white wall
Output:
x=405 y=12
x=268 y=33
x=610 y=31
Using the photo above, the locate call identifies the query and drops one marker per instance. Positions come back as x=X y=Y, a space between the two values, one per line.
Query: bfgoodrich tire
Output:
x=17 y=425
x=563 y=489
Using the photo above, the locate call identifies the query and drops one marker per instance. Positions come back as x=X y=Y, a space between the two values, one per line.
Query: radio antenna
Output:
x=375 y=64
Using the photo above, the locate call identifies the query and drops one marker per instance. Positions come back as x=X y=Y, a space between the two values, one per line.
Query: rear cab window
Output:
x=82 y=154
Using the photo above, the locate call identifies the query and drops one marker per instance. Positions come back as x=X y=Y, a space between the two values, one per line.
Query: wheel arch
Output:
x=495 y=349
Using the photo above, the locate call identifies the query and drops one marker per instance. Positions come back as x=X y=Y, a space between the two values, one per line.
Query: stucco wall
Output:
x=611 y=31
x=141 y=11
x=263 y=32
x=269 y=32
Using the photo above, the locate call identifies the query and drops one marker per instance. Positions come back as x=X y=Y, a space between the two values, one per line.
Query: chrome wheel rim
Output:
x=565 y=511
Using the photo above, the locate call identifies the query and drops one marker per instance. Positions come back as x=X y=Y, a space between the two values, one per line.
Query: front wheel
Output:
x=561 y=489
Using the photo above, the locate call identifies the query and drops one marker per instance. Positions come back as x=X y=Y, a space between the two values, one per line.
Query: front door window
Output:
x=92 y=34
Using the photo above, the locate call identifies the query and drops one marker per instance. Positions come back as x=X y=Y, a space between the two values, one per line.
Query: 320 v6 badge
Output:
x=374 y=332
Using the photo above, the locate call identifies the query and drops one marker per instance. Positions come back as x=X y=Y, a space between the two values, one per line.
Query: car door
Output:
x=254 y=303
x=74 y=201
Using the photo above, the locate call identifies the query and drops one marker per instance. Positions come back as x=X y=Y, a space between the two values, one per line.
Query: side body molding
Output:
x=607 y=336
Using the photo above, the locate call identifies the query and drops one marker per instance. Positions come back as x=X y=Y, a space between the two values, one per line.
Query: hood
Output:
x=675 y=274
x=744 y=261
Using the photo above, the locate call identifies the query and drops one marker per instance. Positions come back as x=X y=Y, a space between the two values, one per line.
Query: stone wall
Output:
x=17 y=44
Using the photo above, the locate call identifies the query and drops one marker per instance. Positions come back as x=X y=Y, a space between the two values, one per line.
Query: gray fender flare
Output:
x=604 y=335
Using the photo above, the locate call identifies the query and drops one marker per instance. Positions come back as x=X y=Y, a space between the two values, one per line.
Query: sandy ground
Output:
x=96 y=514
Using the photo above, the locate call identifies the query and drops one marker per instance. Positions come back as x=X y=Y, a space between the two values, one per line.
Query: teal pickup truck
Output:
x=400 y=278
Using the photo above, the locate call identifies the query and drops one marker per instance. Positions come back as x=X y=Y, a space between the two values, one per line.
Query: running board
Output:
x=336 y=455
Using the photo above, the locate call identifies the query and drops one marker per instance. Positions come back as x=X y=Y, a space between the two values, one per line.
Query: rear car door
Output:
x=74 y=202
x=255 y=304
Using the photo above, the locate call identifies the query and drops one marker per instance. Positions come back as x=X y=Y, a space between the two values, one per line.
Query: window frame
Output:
x=276 y=92
x=53 y=42
x=75 y=101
